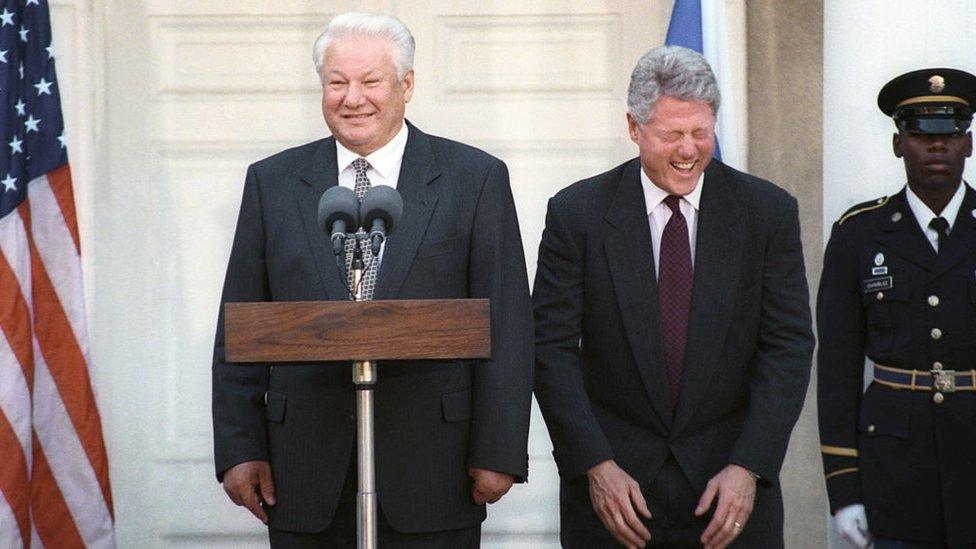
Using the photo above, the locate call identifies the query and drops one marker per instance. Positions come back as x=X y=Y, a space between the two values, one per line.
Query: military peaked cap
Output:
x=930 y=101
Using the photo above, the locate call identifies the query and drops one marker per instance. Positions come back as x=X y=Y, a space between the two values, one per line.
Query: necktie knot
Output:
x=941 y=226
x=361 y=166
x=673 y=201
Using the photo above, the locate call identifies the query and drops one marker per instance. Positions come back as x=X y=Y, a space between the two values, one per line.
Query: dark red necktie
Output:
x=674 y=294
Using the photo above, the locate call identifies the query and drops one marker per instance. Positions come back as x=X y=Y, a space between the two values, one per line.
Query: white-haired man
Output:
x=673 y=338
x=450 y=436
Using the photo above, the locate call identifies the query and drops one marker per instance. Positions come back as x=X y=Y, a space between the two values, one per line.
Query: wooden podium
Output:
x=361 y=332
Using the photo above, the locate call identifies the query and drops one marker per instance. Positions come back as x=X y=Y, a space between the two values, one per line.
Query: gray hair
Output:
x=370 y=25
x=672 y=71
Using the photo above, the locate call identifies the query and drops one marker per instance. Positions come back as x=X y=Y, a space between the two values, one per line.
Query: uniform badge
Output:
x=878 y=271
x=878 y=283
x=936 y=84
x=879 y=259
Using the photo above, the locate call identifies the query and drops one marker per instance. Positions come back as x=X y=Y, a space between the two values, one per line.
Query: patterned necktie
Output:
x=361 y=165
x=674 y=294
x=941 y=226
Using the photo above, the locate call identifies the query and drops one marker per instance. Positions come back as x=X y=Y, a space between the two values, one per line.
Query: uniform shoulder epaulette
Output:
x=863 y=207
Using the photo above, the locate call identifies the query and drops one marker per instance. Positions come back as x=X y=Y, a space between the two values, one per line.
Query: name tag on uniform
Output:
x=878 y=271
x=878 y=283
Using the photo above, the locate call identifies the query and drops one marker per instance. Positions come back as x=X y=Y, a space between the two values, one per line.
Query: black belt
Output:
x=942 y=381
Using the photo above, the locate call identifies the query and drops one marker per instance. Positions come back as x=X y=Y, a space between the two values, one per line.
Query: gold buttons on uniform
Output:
x=938 y=398
x=896 y=217
x=879 y=295
x=870 y=428
x=934 y=300
x=936 y=333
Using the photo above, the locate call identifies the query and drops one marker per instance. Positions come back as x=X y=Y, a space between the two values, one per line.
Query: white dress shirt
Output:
x=658 y=214
x=384 y=166
x=924 y=215
x=384 y=163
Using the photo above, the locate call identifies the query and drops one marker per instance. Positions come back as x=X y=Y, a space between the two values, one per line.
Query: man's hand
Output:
x=615 y=497
x=249 y=484
x=735 y=487
x=489 y=486
x=852 y=525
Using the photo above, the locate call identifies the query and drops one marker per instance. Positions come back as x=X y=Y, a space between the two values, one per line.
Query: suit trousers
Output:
x=670 y=498
x=341 y=532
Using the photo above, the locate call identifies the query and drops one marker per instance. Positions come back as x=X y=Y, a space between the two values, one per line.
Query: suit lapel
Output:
x=903 y=237
x=959 y=245
x=319 y=174
x=718 y=251
x=631 y=262
x=417 y=171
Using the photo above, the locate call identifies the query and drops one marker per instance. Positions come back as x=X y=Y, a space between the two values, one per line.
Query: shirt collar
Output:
x=384 y=160
x=924 y=215
x=654 y=195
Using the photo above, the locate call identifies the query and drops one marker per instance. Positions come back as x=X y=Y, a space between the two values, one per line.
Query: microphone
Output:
x=380 y=212
x=338 y=213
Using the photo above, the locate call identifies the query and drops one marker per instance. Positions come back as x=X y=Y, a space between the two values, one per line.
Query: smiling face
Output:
x=933 y=162
x=676 y=143
x=362 y=99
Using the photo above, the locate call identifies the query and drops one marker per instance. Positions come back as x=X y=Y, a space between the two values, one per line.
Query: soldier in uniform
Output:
x=899 y=287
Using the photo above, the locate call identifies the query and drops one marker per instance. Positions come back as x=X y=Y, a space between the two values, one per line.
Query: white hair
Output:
x=370 y=25
x=672 y=71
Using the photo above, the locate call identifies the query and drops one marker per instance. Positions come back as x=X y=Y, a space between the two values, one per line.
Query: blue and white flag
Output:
x=701 y=25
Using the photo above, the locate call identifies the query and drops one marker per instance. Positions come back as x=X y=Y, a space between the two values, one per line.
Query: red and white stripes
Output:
x=54 y=482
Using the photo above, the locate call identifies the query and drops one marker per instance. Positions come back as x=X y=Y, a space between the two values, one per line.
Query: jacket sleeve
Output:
x=784 y=351
x=502 y=397
x=840 y=369
x=578 y=440
x=238 y=389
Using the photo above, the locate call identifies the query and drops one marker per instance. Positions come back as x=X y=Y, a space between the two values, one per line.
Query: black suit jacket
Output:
x=458 y=238
x=600 y=374
x=908 y=459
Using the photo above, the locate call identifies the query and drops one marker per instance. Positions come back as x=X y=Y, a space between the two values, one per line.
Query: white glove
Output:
x=852 y=525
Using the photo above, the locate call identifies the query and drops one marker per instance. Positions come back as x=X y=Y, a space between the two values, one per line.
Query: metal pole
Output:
x=364 y=377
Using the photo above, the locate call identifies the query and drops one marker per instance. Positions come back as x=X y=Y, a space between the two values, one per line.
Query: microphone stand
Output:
x=364 y=378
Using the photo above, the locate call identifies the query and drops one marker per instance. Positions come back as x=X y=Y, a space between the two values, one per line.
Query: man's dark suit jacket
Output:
x=600 y=373
x=458 y=238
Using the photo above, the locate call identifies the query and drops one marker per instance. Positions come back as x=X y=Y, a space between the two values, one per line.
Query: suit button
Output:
x=938 y=398
x=879 y=296
x=934 y=300
x=936 y=333
x=936 y=365
x=870 y=428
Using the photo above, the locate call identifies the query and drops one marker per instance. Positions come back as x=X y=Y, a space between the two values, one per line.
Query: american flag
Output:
x=53 y=465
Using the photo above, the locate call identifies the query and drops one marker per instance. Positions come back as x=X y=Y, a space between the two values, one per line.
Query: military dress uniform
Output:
x=906 y=447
